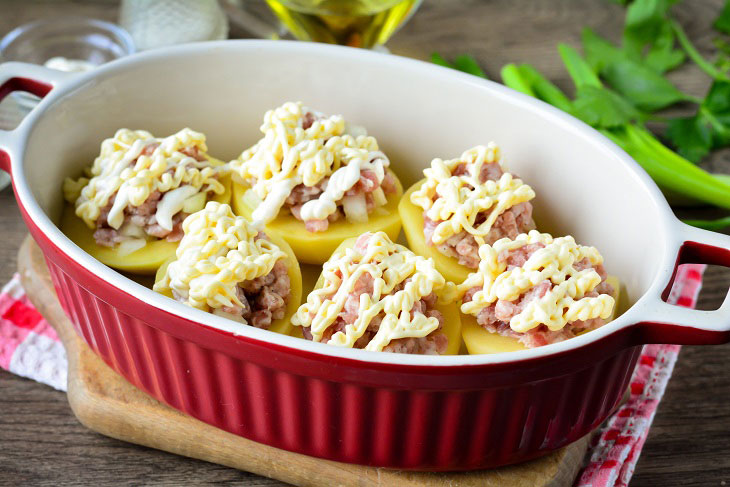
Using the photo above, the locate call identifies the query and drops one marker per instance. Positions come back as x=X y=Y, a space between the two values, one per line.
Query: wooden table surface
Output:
x=41 y=443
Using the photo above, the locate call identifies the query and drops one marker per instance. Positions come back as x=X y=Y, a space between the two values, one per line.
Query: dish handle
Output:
x=32 y=78
x=668 y=323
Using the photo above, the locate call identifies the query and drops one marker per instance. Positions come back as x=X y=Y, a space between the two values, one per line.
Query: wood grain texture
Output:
x=104 y=402
x=689 y=445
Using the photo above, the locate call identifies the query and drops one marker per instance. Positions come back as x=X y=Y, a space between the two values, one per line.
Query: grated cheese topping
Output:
x=455 y=200
x=123 y=168
x=389 y=265
x=218 y=251
x=289 y=155
x=564 y=303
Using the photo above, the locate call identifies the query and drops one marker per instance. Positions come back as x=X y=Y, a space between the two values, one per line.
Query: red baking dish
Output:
x=381 y=409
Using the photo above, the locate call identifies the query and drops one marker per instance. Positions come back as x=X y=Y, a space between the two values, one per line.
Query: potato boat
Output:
x=127 y=208
x=478 y=340
x=452 y=316
x=282 y=325
x=535 y=290
x=145 y=260
x=315 y=180
x=463 y=203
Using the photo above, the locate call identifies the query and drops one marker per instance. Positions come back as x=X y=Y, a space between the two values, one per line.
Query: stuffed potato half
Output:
x=450 y=311
x=279 y=325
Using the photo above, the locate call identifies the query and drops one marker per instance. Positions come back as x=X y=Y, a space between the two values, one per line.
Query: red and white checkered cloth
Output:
x=29 y=347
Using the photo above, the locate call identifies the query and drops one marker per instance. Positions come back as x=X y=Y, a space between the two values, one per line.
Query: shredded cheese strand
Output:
x=122 y=168
x=289 y=155
x=218 y=251
x=455 y=200
x=389 y=265
x=564 y=303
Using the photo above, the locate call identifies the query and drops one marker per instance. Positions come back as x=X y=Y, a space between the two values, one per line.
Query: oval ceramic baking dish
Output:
x=389 y=410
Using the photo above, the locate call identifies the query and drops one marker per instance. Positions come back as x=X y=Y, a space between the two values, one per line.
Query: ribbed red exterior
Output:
x=402 y=426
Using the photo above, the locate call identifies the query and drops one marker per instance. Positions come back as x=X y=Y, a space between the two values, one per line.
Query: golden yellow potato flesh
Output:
x=142 y=261
x=452 y=315
x=317 y=247
x=412 y=218
x=478 y=340
x=282 y=325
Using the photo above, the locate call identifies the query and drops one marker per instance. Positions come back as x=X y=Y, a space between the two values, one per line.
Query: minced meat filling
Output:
x=142 y=216
x=264 y=299
x=366 y=185
x=496 y=317
x=301 y=193
x=434 y=343
x=463 y=246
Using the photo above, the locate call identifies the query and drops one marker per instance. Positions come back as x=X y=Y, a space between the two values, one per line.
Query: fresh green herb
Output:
x=695 y=55
x=722 y=58
x=662 y=55
x=437 y=58
x=691 y=135
x=594 y=104
x=644 y=23
x=578 y=69
x=602 y=108
x=544 y=88
x=640 y=84
x=469 y=65
x=714 y=225
x=722 y=23
x=464 y=63
x=512 y=77
x=694 y=137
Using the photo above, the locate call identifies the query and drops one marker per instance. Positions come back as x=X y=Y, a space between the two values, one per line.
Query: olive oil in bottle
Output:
x=356 y=23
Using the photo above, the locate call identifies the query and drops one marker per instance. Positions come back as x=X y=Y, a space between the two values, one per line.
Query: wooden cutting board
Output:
x=105 y=402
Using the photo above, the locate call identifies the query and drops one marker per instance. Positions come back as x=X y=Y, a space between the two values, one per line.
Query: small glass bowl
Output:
x=78 y=38
x=82 y=38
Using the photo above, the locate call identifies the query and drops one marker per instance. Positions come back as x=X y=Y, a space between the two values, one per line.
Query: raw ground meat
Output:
x=495 y=318
x=434 y=343
x=366 y=185
x=264 y=299
x=143 y=215
x=463 y=246
x=308 y=119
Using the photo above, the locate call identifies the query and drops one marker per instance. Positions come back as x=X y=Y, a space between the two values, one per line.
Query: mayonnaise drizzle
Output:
x=218 y=251
x=564 y=303
x=289 y=155
x=455 y=201
x=389 y=265
x=122 y=168
x=172 y=203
